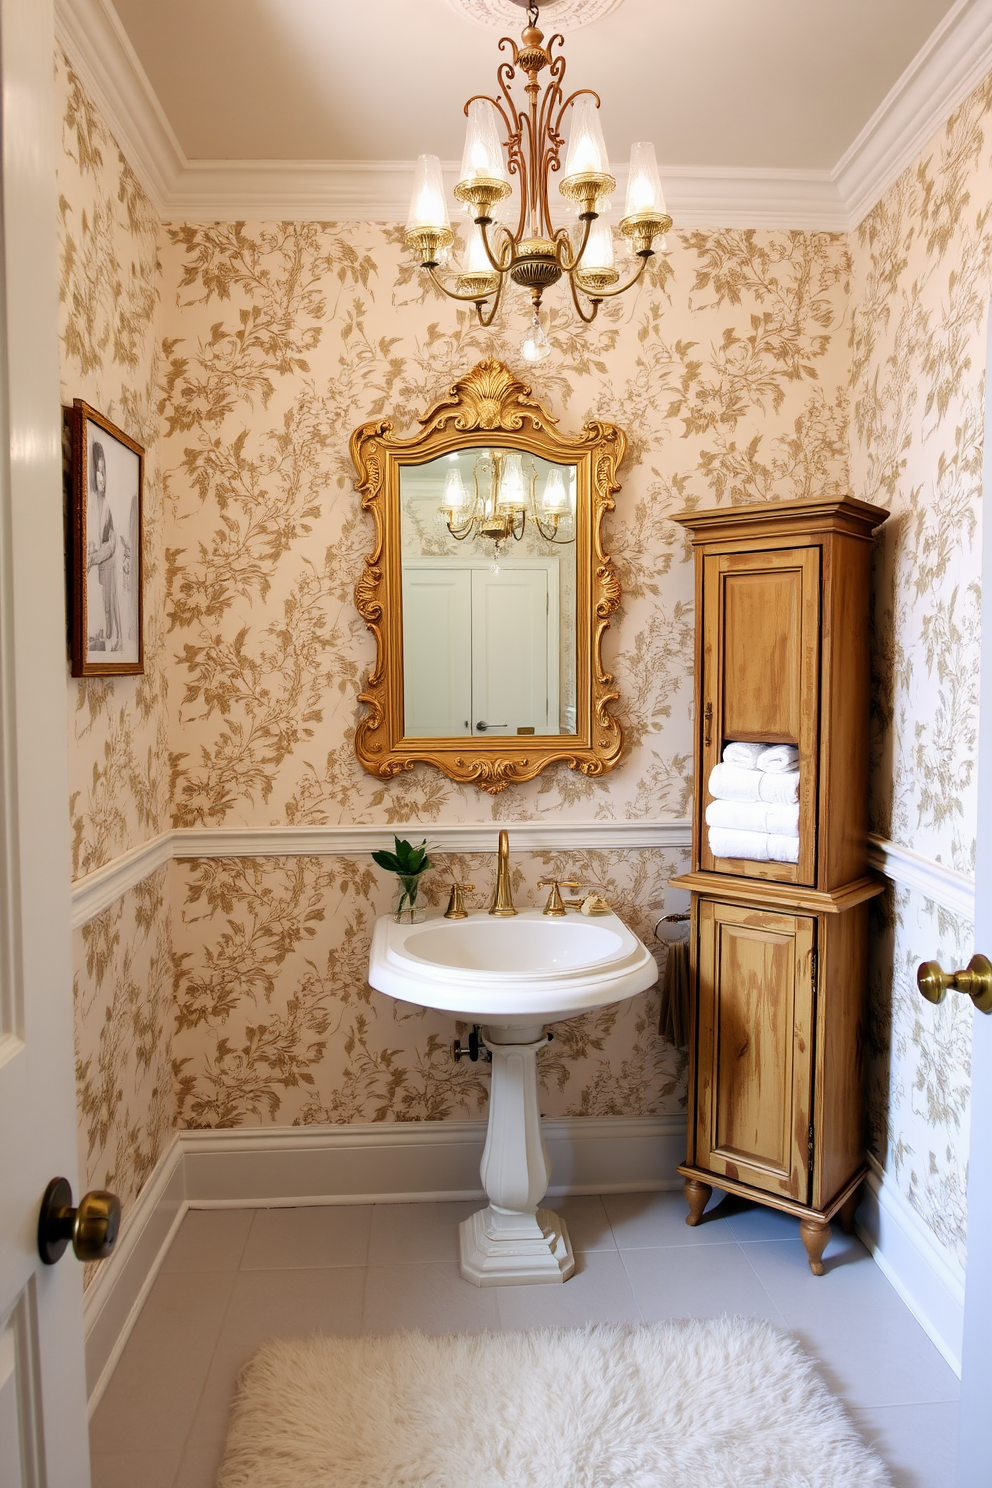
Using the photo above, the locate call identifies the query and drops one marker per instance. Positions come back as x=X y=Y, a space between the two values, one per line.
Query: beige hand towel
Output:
x=754 y=816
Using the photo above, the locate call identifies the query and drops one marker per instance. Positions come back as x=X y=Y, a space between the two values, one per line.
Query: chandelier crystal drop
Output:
x=511 y=151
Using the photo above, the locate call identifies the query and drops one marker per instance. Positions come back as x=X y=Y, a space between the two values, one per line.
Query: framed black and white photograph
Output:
x=105 y=562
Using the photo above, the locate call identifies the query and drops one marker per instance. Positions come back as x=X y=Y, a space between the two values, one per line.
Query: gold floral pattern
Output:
x=921 y=263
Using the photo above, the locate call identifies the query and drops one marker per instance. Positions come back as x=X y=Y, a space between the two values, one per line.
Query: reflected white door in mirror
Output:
x=513 y=975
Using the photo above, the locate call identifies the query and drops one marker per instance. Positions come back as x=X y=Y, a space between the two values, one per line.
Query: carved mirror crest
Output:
x=487 y=589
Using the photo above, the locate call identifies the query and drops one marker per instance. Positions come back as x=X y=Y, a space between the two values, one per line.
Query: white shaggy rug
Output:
x=726 y=1404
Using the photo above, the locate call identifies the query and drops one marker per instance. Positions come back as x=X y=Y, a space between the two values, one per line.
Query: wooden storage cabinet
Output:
x=776 y=1103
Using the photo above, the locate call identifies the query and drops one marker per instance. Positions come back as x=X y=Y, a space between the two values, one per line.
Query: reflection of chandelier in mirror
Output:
x=504 y=499
x=535 y=253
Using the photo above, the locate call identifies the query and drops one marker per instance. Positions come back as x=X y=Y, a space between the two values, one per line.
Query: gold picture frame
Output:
x=492 y=403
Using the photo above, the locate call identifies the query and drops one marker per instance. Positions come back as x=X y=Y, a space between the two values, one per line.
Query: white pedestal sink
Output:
x=513 y=976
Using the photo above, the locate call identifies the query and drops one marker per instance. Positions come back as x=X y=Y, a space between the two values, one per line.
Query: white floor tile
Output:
x=416 y=1232
x=652 y=1219
x=757 y=1221
x=877 y=1357
x=918 y=1443
x=127 y=1469
x=431 y=1297
x=325 y=1235
x=209 y=1240
x=697 y=1281
x=182 y=1315
x=149 y=1404
x=598 y=1292
x=586 y=1221
x=293 y=1304
x=851 y=1280
x=199 y=1468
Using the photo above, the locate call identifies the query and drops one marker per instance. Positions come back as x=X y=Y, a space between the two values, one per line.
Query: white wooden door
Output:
x=437 y=652
x=514 y=654
x=43 y=1436
x=974 y=1455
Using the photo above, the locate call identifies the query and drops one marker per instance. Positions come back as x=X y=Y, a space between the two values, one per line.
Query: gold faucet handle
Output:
x=456 y=905
x=555 y=904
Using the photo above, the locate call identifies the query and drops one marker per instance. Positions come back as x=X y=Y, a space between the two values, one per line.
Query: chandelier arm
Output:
x=579 y=93
x=586 y=319
x=562 y=238
x=503 y=262
x=552 y=536
x=548 y=141
x=464 y=531
x=454 y=294
x=486 y=320
x=611 y=294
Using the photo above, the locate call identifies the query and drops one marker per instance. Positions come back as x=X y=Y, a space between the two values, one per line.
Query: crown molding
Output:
x=950 y=64
x=947 y=67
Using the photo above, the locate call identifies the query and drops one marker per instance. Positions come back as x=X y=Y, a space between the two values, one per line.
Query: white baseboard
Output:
x=382 y=1163
x=114 y=1299
x=907 y=1252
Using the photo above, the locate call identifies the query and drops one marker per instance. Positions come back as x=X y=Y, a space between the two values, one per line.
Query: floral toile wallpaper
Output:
x=921 y=271
x=243 y=355
x=118 y=744
x=727 y=368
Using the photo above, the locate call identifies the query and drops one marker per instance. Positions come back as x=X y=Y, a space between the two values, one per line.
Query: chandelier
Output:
x=534 y=253
x=503 y=501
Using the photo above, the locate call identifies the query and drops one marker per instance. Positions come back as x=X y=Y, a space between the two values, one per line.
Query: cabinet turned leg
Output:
x=847 y=1214
x=815 y=1234
x=697 y=1196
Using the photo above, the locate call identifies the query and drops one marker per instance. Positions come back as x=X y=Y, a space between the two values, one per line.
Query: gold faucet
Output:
x=502 y=897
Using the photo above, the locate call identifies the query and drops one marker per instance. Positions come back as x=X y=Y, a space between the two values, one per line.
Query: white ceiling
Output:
x=781 y=84
x=765 y=113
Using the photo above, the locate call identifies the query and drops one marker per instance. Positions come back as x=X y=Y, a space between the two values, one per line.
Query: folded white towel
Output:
x=733 y=783
x=783 y=849
x=745 y=755
x=754 y=816
x=778 y=757
x=760 y=847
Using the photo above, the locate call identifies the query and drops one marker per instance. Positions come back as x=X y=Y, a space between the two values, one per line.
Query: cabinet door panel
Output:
x=760 y=681
x=755 y=1055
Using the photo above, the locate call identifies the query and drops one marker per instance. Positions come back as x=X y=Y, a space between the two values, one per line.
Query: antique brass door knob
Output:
x=976 y=981
x=91 y=1227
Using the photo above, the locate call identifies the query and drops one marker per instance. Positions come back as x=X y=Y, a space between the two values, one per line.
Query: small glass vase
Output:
x=408 y=907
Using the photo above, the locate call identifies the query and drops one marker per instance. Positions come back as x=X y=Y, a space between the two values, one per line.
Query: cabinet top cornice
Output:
x=808 y=515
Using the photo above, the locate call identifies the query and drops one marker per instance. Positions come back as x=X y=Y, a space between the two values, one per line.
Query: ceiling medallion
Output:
x=512 y=148
x=570 y=13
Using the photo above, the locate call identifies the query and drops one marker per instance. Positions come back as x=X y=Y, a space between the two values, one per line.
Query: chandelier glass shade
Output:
x=504 y=499
x=512 y=149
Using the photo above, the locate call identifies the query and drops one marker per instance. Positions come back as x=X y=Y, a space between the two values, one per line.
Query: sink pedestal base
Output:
x=513 y=1242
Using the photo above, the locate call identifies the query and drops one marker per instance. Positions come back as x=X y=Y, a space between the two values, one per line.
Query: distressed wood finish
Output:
x=779 y=950
x=755 y=1046
x=491 y=406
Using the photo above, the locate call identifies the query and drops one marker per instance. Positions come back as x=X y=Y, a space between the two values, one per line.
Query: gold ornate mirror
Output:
x=487 y=589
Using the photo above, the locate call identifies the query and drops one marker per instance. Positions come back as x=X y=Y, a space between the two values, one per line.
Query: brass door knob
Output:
x=976 y=981
x=92 y=1227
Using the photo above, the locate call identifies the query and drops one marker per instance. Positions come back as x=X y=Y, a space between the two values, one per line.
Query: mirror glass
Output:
x=488 y=566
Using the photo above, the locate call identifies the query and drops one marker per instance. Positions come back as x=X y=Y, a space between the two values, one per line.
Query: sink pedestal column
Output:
x=513 y=1242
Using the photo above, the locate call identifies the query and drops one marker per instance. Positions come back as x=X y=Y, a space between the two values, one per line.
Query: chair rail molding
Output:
x=947 y=67
x=96 y=891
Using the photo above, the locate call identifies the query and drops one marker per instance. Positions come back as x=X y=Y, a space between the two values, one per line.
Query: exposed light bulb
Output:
x=535 y=346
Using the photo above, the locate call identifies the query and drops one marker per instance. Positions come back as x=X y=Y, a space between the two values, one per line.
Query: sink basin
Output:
x=513 y=976
x=510 y=973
